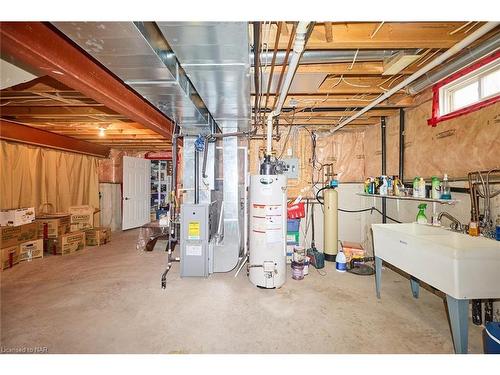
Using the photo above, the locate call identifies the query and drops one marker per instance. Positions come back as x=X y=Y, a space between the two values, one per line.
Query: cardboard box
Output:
x=9 y=236
x=17 y=216
x=82 y=217
x=31 y=250
x=28 y=232
x=352 y=250
x=66 y=244
x=9 y=257
x=53 y=226
x=97 y=236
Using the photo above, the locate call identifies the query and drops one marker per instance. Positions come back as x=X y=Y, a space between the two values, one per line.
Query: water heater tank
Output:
x=268 y=224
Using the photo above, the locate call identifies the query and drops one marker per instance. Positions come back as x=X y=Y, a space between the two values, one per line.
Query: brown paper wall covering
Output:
x=31 y=176
x=456 y=147
x=343 y=149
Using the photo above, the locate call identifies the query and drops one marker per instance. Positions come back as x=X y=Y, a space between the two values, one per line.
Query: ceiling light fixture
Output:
x=102 y=130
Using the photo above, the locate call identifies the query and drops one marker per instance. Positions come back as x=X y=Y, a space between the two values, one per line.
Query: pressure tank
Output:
x=268 y=225
x=331 y=228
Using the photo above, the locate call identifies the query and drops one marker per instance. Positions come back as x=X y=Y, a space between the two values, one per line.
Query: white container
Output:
x=17 y=217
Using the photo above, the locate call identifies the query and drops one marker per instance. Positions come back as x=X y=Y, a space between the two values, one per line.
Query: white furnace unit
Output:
x=268 y=225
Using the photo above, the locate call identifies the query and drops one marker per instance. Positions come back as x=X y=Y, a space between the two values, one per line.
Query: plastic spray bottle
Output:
x=445 y=188
x=421 y=218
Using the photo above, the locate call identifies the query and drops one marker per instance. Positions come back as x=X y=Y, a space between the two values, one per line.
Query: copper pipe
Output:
x=285 y=62
x=270 y=76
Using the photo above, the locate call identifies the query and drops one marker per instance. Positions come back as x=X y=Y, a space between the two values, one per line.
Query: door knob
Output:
x=127 y=198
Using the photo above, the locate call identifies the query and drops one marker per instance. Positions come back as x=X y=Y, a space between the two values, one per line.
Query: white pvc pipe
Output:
x=446 y=55
x=269 y=139
x=298 y=48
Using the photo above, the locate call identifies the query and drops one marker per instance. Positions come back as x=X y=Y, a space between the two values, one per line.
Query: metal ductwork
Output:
x=467 y=57
x=323 y=57
x=215 y=56
x=141 y=57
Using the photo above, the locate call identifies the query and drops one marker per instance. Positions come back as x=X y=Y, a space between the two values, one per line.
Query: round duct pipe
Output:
x=319 y=56
x=467 y=57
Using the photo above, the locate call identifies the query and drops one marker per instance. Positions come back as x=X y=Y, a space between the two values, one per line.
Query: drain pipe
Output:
x=465 y=58
x=304 y=29
x=487 y=27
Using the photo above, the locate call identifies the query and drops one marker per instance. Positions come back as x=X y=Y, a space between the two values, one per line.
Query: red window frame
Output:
x=436 y=118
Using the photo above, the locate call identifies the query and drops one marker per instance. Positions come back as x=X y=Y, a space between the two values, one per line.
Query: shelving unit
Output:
x=434 y=202
x=440 y=201
x=161 y=172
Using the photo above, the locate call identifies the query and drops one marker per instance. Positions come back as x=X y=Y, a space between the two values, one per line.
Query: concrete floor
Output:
x=108 y=300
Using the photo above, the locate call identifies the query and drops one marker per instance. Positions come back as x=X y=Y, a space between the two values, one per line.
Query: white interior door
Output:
x=136 y=192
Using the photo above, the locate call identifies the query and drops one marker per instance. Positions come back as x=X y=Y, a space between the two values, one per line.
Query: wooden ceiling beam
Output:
x=11 y=131
x=358 y=69
x=345 y=101
x=37 y=111
x=393 y=35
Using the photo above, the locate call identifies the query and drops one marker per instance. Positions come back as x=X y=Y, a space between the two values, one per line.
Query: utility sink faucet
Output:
x=455 y=225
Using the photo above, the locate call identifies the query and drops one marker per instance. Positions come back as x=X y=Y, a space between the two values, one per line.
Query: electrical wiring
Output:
x=371 y=209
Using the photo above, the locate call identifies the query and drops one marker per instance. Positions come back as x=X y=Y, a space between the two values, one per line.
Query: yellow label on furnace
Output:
x=194 y=230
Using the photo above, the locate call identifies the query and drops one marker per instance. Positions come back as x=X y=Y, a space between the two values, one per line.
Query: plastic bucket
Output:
x=492 y=338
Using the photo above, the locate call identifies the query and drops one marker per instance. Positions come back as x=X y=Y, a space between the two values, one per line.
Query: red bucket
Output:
x=296 y=211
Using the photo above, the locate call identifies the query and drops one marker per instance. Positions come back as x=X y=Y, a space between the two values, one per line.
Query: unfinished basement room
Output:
x=272 y=184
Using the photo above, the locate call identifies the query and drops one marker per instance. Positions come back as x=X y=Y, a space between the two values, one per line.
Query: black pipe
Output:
x=384 y=165
x=196 y=176
x=401 y=144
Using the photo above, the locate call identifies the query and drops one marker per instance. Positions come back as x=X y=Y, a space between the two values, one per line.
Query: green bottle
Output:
x=421 y=218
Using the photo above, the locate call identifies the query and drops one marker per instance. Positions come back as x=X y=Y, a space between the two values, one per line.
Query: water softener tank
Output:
x=331 y=228
x=268 y=225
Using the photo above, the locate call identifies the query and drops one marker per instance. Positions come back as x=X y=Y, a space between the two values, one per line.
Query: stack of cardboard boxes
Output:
x=55 y=230
x=19 y=237
x=24 y=237
x=66 y=234
x=82 y=219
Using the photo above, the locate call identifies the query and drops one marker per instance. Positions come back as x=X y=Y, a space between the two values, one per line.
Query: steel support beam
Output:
x=11 y=131
x=40 y=46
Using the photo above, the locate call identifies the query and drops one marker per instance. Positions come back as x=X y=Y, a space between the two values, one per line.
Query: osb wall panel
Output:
x=343 y=149
x=455 y=147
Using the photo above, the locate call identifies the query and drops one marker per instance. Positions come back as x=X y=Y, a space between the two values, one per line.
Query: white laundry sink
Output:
x=459 y=265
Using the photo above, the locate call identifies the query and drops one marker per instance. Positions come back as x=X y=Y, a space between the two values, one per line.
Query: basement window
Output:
x=468 y=90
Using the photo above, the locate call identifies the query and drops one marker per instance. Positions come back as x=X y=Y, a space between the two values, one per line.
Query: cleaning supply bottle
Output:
x=384 y=185
x=421 y=188
x=416 y=187
x=435 y=188
x=445 y=188
x=340 y=259
x=421 y=218
x=341 y=262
